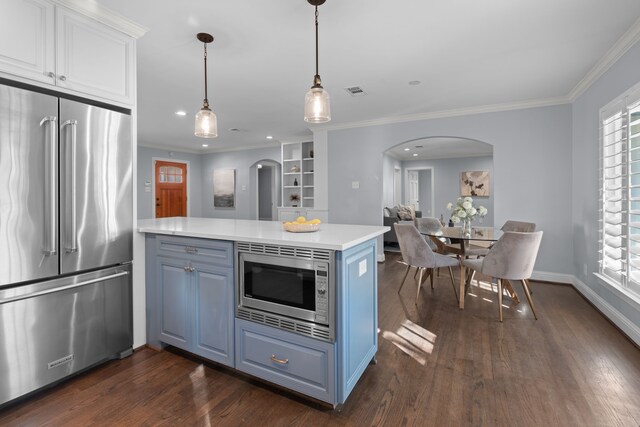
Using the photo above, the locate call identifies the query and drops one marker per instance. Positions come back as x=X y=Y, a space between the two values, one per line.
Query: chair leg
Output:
x=528 y=294
x=453 y=283
x=405 y=278
x=500 y=299
x=416 y=273
x=419 y=284
x=431 y=277
x=467 y=284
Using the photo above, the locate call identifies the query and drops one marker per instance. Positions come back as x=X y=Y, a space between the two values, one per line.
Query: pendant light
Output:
x=316 y=101
x=206 y=120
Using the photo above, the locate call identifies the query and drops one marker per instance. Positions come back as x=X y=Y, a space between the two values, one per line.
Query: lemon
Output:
x=314 y=221
x=301 y=219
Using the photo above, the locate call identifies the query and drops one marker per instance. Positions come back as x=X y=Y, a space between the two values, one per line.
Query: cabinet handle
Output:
x=280 y=361
x=186 y=268
x=192 y=269
x=63 y=78
x=191 y=250
x=51 y=74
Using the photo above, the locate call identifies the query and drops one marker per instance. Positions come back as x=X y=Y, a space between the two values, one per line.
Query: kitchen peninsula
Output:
x=295 y=309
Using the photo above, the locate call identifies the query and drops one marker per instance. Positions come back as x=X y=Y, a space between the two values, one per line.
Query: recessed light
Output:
x=407 y=149
x=415 y=82
x=181 y=113
x=415 y=154
x=205 y=145
x=269 y=137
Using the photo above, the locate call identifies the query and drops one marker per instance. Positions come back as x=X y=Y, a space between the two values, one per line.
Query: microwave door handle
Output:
x=73 y=239
x=51 y=200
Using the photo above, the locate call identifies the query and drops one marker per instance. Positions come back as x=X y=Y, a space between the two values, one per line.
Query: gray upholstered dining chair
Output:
x=417 y=253
x=510 y=258
x=509 y=225
x=441 y=245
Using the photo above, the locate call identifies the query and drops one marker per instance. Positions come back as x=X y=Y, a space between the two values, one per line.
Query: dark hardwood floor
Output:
x=437 y=366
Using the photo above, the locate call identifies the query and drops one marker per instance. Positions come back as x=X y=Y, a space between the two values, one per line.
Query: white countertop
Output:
x=330 y=236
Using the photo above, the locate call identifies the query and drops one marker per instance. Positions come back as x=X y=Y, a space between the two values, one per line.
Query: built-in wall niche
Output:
x=298 y=174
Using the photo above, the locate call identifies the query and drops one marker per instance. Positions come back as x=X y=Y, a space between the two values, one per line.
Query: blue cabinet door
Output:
x=173 y=302
x=213 y=329
x=357 y=283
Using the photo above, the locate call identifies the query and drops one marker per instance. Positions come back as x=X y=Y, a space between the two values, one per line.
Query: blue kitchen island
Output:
x=295 y=309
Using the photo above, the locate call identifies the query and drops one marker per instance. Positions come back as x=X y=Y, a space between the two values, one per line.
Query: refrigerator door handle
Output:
x=73 y=239
x=62 y=288
x=51 y=198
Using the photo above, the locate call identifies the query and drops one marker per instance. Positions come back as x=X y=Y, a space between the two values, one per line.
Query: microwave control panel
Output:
x=322 y=293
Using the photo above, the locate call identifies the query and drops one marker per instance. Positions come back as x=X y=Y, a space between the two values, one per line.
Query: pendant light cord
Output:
x=206 y=101
x=316 y=40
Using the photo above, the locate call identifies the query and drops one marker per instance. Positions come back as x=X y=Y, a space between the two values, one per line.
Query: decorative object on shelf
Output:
x=295 y=182
x=301 y=225
x=465 y=211
x=316 y=101
x=474 y=183
x=206 y=120
x=224 y=188
x=295 y=199
x=295 y=168
x=311 y=154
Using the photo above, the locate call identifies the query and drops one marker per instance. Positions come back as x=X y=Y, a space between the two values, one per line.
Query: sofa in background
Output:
x=392 y=216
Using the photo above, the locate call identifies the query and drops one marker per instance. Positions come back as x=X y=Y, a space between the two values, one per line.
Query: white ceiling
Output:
x=467 y=54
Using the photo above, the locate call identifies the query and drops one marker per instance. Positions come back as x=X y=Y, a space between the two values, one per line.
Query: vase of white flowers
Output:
x=464 y=211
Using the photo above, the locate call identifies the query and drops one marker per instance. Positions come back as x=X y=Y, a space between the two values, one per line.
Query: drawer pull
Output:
x=191 y=250
x=280 y=361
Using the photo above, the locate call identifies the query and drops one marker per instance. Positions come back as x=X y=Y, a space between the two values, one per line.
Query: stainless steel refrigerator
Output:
x=66 y=219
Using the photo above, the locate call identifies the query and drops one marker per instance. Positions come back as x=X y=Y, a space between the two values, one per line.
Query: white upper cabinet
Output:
x=47 y=42
x=92 y=58
x=26 y=39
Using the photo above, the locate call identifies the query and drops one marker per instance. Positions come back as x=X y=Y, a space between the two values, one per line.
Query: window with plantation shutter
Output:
x=620 y=191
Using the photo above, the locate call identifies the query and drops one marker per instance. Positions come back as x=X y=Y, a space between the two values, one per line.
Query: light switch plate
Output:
x=355 y=184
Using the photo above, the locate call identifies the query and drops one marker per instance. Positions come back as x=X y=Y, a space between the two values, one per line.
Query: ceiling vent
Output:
x=355 y=91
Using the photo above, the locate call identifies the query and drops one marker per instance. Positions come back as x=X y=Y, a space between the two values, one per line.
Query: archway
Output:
x=266 y=193
x=436 y=162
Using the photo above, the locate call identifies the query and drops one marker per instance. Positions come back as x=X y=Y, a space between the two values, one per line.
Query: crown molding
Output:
x=624 y=43
x=106 y=16
x=492 y=108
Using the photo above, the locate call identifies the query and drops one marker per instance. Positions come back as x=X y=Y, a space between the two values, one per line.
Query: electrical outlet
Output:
x=355 y=184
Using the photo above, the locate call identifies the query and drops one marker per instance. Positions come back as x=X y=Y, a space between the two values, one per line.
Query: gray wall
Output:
x=246 y=197
x=586 y=110
x=531 y=181
x=424 y=189
x=145 y=174
x=447 y=182
x=389 y=165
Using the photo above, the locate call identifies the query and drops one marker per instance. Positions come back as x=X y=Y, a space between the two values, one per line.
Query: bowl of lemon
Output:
x=301 y=225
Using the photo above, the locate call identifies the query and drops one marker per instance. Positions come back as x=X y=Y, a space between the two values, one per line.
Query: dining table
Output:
x=462 y=244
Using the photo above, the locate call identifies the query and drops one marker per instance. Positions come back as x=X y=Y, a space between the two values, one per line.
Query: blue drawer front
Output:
x=298 y=363
x=216 y=252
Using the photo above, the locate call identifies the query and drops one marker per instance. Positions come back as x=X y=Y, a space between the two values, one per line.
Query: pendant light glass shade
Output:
x=206 y=125
x=316 y=101
x=316 y=105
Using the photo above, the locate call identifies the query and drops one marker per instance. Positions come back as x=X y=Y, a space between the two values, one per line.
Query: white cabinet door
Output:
x=92 y=58
x=27 y=39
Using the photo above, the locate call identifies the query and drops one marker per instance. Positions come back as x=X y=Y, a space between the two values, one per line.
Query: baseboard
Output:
x=631 y=330
x=545 y=276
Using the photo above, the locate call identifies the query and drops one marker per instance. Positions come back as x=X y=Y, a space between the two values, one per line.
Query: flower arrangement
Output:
x=465 y=211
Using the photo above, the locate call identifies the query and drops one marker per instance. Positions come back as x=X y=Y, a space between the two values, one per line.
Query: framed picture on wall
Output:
x=224 y=188
x=474 y=184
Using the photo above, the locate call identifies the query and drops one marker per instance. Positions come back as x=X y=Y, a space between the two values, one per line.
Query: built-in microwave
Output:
x=287 y=287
